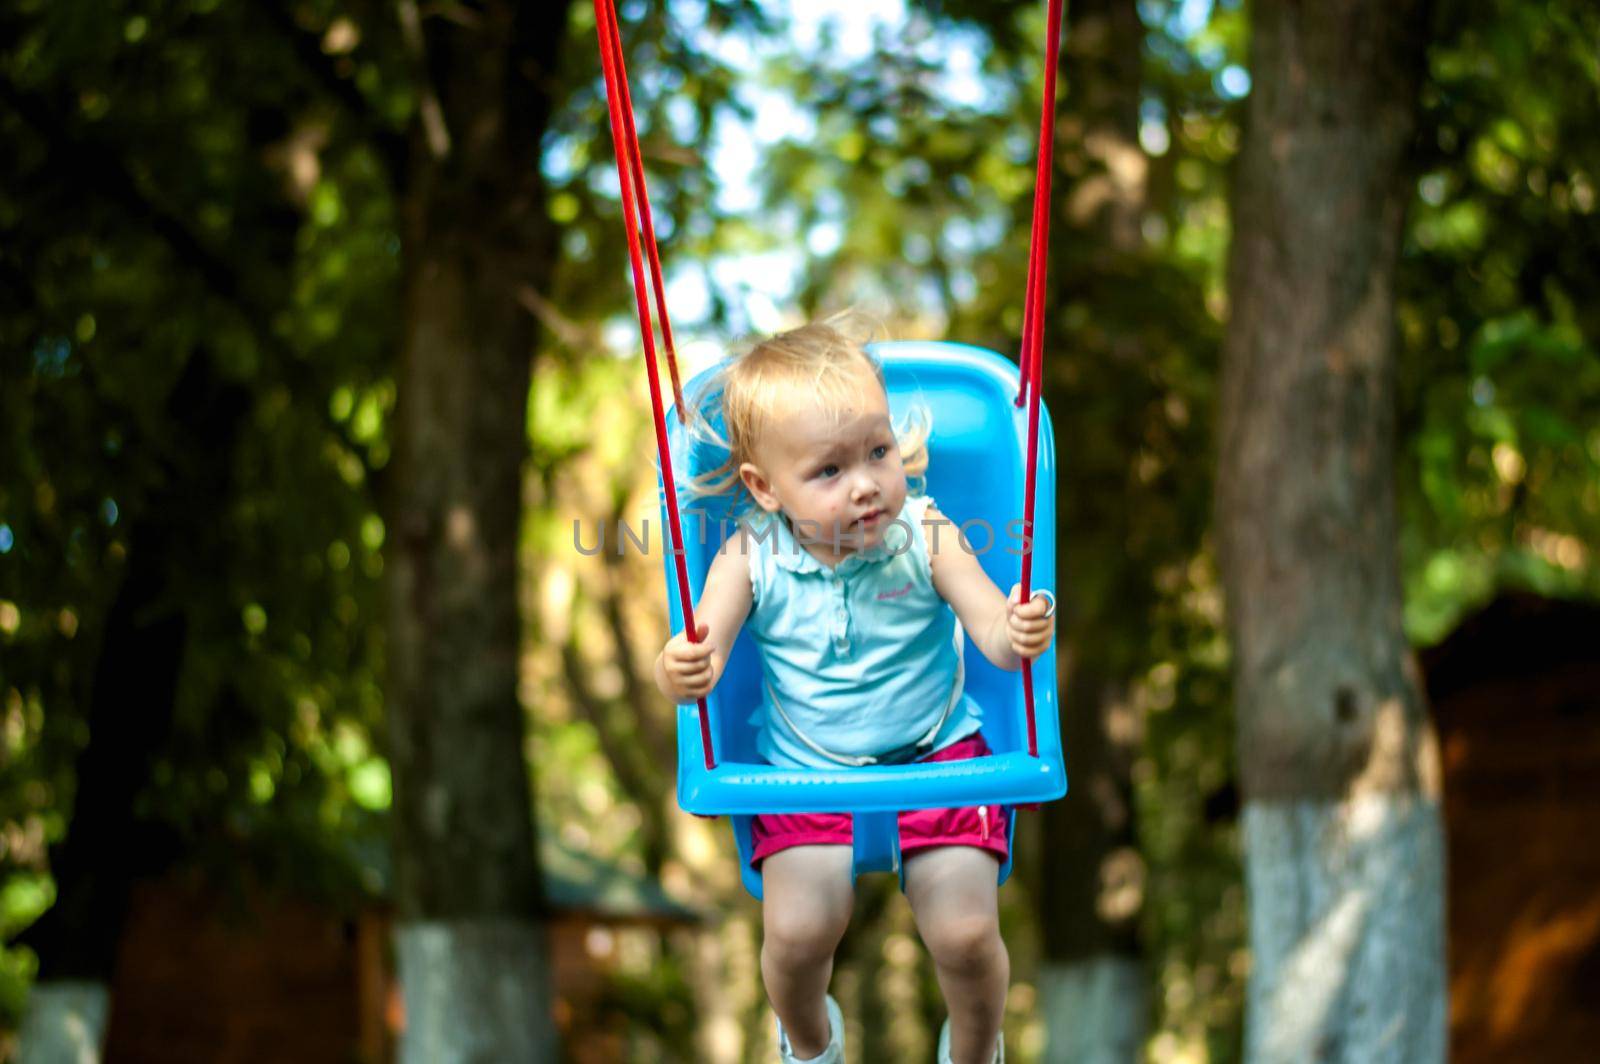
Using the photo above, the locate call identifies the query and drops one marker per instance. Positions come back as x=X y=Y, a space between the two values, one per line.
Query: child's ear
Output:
x=760 y=488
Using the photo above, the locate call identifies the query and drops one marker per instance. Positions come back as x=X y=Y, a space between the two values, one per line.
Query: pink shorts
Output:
x=983 y=826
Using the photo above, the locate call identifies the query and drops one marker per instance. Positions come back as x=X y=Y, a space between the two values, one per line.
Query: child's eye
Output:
x=828 y=471
x=879 y=452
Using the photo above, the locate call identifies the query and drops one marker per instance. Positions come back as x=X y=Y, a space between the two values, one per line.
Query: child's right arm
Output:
x=688 y=671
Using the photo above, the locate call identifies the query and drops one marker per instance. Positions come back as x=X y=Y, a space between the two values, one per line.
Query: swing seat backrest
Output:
x=976 y=474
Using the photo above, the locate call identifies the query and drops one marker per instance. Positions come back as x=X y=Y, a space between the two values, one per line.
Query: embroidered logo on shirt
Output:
x=895 y=593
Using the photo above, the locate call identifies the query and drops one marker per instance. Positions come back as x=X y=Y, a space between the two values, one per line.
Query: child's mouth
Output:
x=870 y=518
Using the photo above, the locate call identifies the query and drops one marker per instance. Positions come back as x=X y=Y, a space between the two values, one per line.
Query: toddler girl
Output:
x=857 y=594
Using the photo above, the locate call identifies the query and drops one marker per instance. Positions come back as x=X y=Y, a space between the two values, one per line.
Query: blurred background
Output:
x=316 y=341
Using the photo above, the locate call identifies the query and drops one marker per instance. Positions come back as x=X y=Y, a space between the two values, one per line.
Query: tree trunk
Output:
x=131 y=699
x=469 y=937
x=130 y=719
x=1092 y=987
x=1337 y=758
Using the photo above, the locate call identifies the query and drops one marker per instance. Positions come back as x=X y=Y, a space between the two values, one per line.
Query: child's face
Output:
x=831 y=472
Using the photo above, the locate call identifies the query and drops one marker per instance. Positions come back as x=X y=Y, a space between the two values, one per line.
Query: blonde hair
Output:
x=827 y=359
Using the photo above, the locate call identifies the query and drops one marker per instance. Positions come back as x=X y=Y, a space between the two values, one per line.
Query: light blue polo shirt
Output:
x=859 y=659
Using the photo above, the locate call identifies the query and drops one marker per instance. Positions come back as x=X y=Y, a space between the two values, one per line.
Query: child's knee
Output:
x=803 y=934
x=969 y=942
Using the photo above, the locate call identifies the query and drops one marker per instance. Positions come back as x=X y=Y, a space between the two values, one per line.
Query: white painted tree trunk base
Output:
x=1094 y=1011
x=64 y=1023
x=475 y=991
x=1347 y=931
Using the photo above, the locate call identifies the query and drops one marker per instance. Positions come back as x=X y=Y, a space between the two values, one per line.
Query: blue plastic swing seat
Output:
x=976 y=473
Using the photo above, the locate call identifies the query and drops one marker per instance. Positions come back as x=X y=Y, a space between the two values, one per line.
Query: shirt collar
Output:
x=790 y=554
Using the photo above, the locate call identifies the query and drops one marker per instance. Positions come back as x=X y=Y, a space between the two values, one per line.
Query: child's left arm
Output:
x=1005 y=629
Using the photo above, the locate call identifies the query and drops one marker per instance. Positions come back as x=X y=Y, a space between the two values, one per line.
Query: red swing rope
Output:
x=619 y=76
x=1031 y=357
x=630 y=171
x=636 y=215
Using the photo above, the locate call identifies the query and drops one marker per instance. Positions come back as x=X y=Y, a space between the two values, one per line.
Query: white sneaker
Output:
x=944 y=1046
x=834 y=1054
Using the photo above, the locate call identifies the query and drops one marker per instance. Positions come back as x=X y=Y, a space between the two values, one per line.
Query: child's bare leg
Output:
x=953 y=892
x=807 y=895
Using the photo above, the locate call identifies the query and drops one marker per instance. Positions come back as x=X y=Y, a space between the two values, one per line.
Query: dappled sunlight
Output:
x=1391 y=747
x=1312 y=978
x=1538 y=954
x=1122 y=876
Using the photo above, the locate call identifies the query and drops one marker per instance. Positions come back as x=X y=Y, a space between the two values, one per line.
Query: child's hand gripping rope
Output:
x=1032 y=624
x=687 y=671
